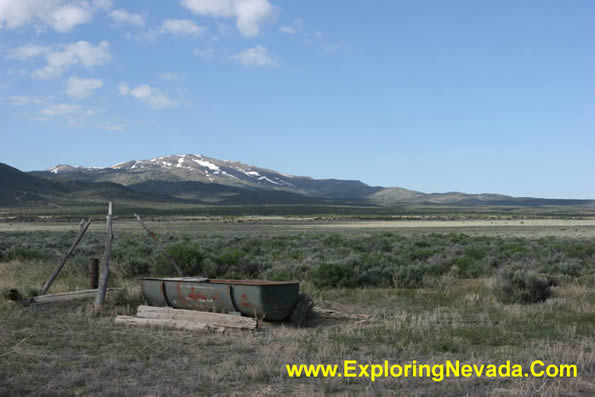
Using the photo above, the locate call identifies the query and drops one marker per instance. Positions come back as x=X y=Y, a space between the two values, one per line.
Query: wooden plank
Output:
x=161 y=247
x=67 y=296
x=83 y=228
x=214 y=319
x=103 y=277
x=187 y=325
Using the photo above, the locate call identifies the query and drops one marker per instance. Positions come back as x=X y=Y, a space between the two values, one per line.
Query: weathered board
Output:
x=211 y=319
x=165 y=323
x=67 y=296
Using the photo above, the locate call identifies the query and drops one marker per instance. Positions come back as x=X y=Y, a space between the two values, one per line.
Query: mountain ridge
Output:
x=196 y=177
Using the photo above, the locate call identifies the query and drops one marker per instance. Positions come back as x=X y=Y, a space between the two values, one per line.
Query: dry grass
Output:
x=66 y=349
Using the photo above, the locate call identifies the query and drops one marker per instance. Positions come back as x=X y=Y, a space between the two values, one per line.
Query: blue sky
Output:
x=473 y=96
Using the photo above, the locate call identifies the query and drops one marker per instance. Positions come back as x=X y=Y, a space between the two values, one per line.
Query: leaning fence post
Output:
x=83 y=228
x=154 y=237
x=103 y=277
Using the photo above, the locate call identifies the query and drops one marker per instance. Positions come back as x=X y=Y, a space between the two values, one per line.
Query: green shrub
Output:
x=410 y=276
x=27 y=253
x=333 y=275
x=134 y=267
x=375 y=277
x=514 y=285
x=187 y=255
x=279 y=275
x=303 y=311
x=569 y=267
x=229 y=256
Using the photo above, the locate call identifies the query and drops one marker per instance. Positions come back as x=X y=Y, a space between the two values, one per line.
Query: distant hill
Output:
x=20 y=188
x=198 y=168
x=201 y=179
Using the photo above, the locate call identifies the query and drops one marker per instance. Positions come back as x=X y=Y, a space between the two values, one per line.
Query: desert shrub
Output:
x=568 y=267
x=468 y=266
x=135 y=266
x=579 y=250
x=249 y=266
x=279 y=275
x=333 y=275
x=376 y=277
x=437 y=264
x=229 y=256
x=334 y=240
x=410 y=276
x=514 y=249
x=514 y=285
x=187 y=255
x=421 y=253
x=27 y=253
x=209 y=268
x=234 y=275
x=303 y=311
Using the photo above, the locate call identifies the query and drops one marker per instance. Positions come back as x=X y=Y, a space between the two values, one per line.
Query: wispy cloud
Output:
x=181 y=27
x=60 y=58
x=82 y=88
x=59 y=15
x=150 y=96
x=60 y=109
x=170 y=76
x=72 y=114
x=292 y=28
x=204 y=53
x=250 y=15
x=257 y=56
x=124 y=17
x=23 y=100
x=113 y=127
x=287 y=29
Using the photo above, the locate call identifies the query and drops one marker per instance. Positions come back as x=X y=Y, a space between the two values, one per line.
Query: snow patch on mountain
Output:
x=207 y=164
x=264 y=178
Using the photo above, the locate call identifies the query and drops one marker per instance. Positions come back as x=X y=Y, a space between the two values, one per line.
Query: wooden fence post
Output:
x=154 y=237
x=103 y=278
x=94 y=272
x=83 y=228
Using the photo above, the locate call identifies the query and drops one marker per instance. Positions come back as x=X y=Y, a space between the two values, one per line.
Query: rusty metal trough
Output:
x=270 y=300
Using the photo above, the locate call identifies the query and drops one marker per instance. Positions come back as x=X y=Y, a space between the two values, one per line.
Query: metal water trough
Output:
x=270 y=300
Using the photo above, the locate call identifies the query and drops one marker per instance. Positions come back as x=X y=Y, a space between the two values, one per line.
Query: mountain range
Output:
x=194 y=178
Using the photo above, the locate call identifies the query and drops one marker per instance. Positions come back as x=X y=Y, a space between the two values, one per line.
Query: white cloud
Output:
x=170 y=76
x=113 y=127
x=60 y=109
x=287 y=29
x=22 y=100
x=60 y=58
x=123 y=17
x=256 y=56
x=250 y=15
x=206 y=53
x=181 y=26
x=60 y=15
x=82 y=88
x=28 y=51
x=152 y=97
x=72 y=114
x=123 y=88
x=104 y=5
x=297 y=24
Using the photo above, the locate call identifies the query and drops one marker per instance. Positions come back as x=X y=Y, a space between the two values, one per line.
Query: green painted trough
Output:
x=270 y=300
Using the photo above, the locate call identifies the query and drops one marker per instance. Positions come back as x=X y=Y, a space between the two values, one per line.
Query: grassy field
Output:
x=418 y=291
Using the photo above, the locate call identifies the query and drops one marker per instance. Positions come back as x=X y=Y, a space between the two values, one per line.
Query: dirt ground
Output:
x=525 y=228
